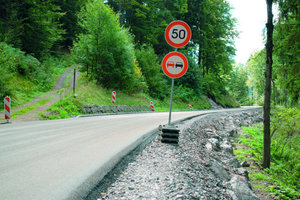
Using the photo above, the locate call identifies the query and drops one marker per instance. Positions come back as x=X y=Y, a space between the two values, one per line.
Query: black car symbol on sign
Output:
x=179 y=64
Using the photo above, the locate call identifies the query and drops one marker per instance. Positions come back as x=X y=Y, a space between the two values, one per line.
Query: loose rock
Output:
x=202 y=166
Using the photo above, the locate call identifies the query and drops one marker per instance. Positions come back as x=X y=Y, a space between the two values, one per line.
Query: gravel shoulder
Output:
x=202 y=166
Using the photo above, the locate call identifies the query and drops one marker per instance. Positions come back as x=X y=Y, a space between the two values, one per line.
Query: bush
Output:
x=65 y=108
x=151 y=70
x=285 y=124
x=285 y=148
x=106 y=49
x=30 y=74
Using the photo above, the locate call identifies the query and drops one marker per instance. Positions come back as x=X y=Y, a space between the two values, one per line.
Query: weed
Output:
x=284 y=172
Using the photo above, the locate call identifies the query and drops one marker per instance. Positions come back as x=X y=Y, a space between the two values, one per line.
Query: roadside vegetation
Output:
x=116 y=51
x=120 y=45
x=89 y=92
x=282 y=179
x=24 y=77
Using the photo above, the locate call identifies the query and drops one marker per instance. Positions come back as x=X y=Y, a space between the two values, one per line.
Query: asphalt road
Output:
x=64 y=159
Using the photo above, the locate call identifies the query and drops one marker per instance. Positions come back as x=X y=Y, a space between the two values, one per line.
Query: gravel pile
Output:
x=202 y=166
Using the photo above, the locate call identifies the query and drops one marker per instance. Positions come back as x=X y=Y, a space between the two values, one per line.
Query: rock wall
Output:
x=96 y=109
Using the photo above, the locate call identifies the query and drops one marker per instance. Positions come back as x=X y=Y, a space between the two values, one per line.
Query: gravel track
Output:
x=60 y=83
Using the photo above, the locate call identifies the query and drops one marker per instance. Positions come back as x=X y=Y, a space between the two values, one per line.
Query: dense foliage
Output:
x=286 y=59
x=32 y=26
x=285 y=157
x=30 y=74
x=148 y=19
x=148 y=61
x=107 y=48
x=237 y=86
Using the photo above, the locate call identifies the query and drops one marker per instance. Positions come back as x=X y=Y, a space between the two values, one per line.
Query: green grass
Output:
x=24 y=88
x=283 y=174
x=227 y=101
x=88 y=92
x=30 y=108
x=258 y=176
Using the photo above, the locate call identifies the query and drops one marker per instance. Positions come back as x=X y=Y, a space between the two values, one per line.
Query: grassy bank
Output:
x=281 y=181
x=88 y=92
x=24 y=77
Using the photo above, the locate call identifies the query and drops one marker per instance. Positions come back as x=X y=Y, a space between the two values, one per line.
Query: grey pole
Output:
x=74 y=82
x=171 y=101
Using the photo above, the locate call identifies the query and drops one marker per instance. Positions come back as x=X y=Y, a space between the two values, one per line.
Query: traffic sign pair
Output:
x=177 y=34
x=175 y=64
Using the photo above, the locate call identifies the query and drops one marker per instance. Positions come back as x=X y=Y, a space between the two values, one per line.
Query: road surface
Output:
x=64 y=159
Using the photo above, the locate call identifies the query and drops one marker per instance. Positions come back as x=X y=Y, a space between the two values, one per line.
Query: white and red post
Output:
x=191 y=107
x=152 y=106
x=7 y=108
x=114 y=96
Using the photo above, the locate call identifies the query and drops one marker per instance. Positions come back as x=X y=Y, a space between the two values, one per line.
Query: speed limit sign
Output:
x=178 y=34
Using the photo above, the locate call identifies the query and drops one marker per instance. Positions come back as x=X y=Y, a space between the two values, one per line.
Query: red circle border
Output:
x=186 y=64
x=186 y=26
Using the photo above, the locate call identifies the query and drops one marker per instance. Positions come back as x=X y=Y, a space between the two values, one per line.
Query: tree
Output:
x=287 y=50
x=255 y=69
x=237 y=86
x=267 y=94
x=32 y=26
x=152 y=71
x=213 y=33
x=107 y=48
x=147 y=19
x=69 y=21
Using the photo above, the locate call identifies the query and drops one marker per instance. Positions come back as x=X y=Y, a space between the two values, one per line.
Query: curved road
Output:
x=64 y=159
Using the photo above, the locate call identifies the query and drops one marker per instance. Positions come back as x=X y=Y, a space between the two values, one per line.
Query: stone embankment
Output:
x=202 y=166
x=96 y=109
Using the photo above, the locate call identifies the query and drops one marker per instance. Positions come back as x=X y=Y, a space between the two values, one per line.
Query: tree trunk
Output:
x=267 y=94
x=207 y=67
x=274 y=92
x=199 y=55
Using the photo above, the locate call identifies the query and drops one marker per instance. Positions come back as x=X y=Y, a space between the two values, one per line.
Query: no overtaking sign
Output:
x=175 y=65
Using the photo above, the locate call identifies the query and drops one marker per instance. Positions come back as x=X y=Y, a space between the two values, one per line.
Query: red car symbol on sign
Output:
x=170 y=64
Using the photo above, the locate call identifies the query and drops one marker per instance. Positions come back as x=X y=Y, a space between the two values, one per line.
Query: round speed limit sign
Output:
x=178 y=34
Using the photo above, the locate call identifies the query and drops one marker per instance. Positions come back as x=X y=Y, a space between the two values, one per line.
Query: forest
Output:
x=118 y=40
x=120 y=44
x=124 y=41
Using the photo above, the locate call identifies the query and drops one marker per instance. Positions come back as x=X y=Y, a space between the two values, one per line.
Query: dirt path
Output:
x=53 y=97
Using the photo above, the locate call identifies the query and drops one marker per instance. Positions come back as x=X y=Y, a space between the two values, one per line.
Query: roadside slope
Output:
x=42 y=103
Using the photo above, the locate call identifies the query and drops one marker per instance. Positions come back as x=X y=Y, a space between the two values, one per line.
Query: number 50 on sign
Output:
x=178 y=34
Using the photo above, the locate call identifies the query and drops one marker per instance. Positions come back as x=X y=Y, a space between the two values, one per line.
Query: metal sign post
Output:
x=171 y=101
x=174 y=65
x=74 y=83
